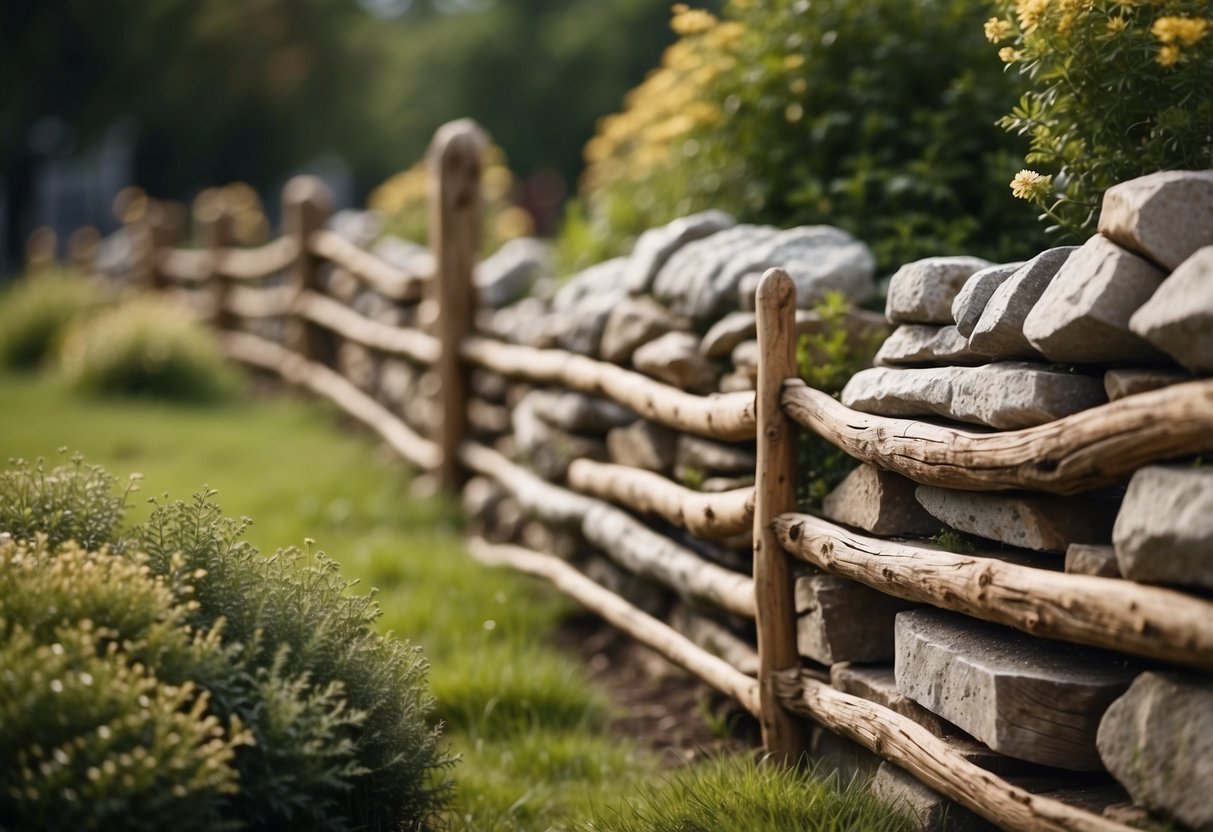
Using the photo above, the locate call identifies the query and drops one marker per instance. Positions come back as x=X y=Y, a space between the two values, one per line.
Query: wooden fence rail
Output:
x=1096 y=448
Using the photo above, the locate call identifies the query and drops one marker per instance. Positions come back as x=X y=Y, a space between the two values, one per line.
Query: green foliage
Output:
x=1115 y=90
x=71 y=502
x=957 y=541
x=35 y=312
x=147 y=347
x=731 y=793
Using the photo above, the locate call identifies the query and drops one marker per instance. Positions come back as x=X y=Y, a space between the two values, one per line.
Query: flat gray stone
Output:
x=999 y=330
x=581 y=306
x=1043 y=524
x=633 y=323
x=1036 y=700
x=546 y=449
x=643 y=444
x=577 y=412
x=1157 y=741
x=1164 y=531
x=846 y=761
x=675 y=359
x=686 y=283
x=404 y=254
x=1178 y=319
x=1083 y=315
x=1121 y=383
x=844 y=621
x=878 y=683
x=656 y=245
x=507 y=274
x=1164 y=217
x=728 y=332
x=927 y=809
x=879 y=502
x=708 y=457
x=922 y=292
x=919 y=344
x=1007 y=395
x=1092 y=559
x=976 y=292
x=525 y=322
x=861 y=327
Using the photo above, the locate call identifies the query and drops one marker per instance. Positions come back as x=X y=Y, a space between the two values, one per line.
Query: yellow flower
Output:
x=1168 y=55
x=793 y=113
x=1028 y=184
x=1008 y=55
x=1182 y=30
x=997 y=29
x=1030 y=13
x=793 y=61
x=688 y=21
x=1116 y=25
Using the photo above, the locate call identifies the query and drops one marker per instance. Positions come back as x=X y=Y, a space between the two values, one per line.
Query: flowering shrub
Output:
x=1116 y=89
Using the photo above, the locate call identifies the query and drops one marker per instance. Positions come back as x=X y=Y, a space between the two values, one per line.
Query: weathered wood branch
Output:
x=624 y=539
x=183 y=265
x=1102 y=612
x=932 y=760
x=703 y=515
x=410 y=343
x=1091 y=449
x=321 y=380
x=385 y=278
x=257 y=263
x=639 y=625
x=728 y=416
x=248 y=302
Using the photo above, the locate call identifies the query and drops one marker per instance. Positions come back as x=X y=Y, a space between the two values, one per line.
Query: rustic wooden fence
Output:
x=273 y=312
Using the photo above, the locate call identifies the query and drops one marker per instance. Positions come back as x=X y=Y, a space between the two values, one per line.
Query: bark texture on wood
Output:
x=215 y=229
x=380 y=275
x=260 y=262
x=708 y=516
x=1092 y=449
x=641 y=626
x=182 y=265
x=933 y=761
x=410 y=343
x=627 y=541
x=1102 y=612
x=728 y=416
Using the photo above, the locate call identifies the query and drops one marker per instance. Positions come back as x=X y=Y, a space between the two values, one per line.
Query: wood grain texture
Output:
x=641 y=626
x=412 y=344
x=214 y=225
x=1102 y=612
x=708 y=516
x=727 y=416
x=933 y=760
x=259 y=262
x=1092 y=449
x=380 y=275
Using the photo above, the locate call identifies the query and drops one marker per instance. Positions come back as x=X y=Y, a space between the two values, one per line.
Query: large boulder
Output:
x=656 y=245
x=507 y=274
x=1164 y=531
x=633 y=323
x=1164 y=217
x=1178 y=319
x=686 y=284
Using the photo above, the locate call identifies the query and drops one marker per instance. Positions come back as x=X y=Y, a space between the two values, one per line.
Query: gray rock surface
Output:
x=1083 y=315
x=918 y=344
x=1157 y=740
x=844 y=621
x=359 y=227
x=999 y=330
x=709 y=457
x=548 y=450
x=1092 y=559
x=1007 y=395
x=577 y=412
x=643 y=444
x=976 y=292
x=878 y=683
x=728 y=332
x=879 y=502
x=1178 y=319
x=633 y=323
x=508 y=273
x=656 y=245
x=1164 y=531
x=581 y=307
x=927 y=810
x=675 y=359
x=1164 y=217
x=1121 y=383
x=922 y=292
x=524 y=322
x=404 y=254
x=1036 y=700
x=686 y=283
x=1041 y=523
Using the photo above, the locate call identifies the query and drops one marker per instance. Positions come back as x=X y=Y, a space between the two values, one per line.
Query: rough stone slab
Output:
x=999 y=330
x=1157 y=740
x=728 y=332
x=1164 y=531
x=1120 y=383
x=578 y=412
x=922 y=292
x=1036 y=700
x=1164 y=217
x=656 y=245
x=506 y=275
x=737 y=327
x=976 y=292
x=633 y=323
x=1083 y=315
x=643 y=444
x=927 y=809
x=685 y=283
x=878 y=683
x=525 y=322
x=709 y=457
x=879 y=502
x=1092 y=559
x=1041 y=523
x=675 y=359
x=547 y=450
x=844 y=621
x=581 y=306
x=1178 y=319
x=917 y=344
x=841 y=758
x=1007 y=395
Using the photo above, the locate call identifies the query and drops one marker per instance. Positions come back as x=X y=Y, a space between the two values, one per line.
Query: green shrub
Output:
x=1116 y=90
x=873 y=115
x=71 y=502
x=146 y=347
x=331 y=721
x=35 y=312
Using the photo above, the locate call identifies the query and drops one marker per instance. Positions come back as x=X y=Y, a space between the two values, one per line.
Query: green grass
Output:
x=528 y=728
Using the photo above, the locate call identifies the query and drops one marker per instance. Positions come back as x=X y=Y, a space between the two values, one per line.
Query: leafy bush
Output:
x=1116 y=90
x=73 y=502
x=146 y=347
x=35 y=312
x=876 y=116
x=329 y=720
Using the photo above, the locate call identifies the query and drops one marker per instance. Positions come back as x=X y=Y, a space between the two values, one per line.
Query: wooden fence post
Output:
x=306 y=206
x=160 y=234
x=775 y=492
x=456 y=232
x=214 y=225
